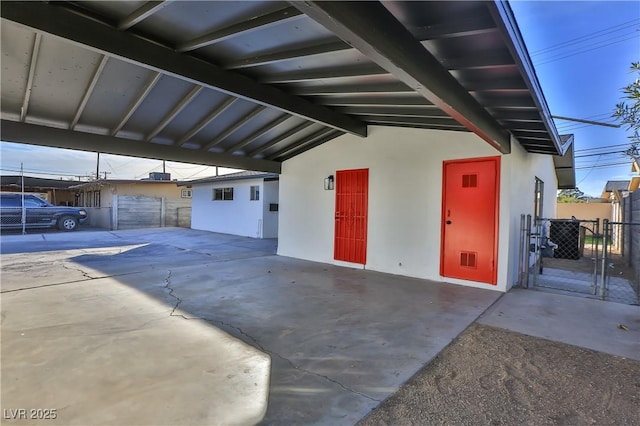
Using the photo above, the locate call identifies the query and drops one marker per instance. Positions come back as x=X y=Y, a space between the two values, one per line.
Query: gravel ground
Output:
x=490 y=376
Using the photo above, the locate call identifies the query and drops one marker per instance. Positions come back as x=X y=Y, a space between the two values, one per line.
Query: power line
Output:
x=198 y=172
x=31 y=172
x=601 y=116
x=600 y=153
x=601 y=147
x=602 y=166
x=589 y=36
x=578 y=52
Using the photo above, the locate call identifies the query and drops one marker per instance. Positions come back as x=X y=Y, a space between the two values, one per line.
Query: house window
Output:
x=96 y=198
x=537 y=202
x=186 y=193
x=255 y=193
x=223 y=194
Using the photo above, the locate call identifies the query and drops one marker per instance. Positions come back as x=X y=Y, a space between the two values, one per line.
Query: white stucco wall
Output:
x=270 y=219
x=241 y=216
x=405 y=195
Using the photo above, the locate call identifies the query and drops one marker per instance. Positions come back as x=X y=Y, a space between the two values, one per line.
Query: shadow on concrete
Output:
x=340 y=340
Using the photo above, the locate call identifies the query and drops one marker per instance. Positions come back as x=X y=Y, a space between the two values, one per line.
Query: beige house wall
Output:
x=166 y=190
x=584 y=211
x=148 y=189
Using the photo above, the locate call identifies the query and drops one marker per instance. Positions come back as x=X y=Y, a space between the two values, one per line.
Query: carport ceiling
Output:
x=251 y=84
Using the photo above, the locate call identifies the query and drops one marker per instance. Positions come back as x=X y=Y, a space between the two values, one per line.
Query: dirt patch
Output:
x=497 y=377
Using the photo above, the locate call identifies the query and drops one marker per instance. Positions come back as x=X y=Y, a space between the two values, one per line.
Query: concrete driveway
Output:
x=177 y=326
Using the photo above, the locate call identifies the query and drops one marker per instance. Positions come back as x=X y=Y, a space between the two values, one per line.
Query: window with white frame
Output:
x=186 y=193
x=255 y=193
x=222 y=194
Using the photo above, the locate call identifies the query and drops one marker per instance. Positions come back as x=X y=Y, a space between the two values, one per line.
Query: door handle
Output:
x=448 y=222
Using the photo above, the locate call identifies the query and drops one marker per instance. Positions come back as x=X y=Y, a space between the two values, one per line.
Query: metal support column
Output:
x=527 y=239
x=605 y=244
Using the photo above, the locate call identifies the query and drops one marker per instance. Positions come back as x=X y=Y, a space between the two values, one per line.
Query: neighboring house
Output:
x=615 y=190
x=55 y=191
x=126 y=204
x=244 y=203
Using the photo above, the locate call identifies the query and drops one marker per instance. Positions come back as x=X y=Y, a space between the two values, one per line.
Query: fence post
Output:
x=523 y=252
x=163 y=211
x=605 y=245
x=596 y=241
x=114 y=213
x=527 y=238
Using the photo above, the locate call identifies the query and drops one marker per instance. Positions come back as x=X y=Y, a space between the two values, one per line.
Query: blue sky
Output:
x=581 y=52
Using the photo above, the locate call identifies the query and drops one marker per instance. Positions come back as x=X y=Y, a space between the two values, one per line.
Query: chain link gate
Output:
x=573 y=255
x=620 y=264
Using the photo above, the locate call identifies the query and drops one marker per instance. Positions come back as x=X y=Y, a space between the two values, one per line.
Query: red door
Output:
x=352 y=193
x=470 y=197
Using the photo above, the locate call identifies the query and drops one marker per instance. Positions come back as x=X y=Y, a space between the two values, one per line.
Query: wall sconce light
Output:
x=328 y=183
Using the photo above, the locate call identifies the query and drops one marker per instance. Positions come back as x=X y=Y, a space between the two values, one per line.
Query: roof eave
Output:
x=507 y=24
x=565 y=165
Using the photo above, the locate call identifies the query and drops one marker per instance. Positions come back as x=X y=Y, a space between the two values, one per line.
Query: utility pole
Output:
x=98 y=167
x=105 y=175
x=164 y=170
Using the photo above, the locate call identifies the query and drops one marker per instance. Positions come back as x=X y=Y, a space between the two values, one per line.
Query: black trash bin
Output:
x=566 y=234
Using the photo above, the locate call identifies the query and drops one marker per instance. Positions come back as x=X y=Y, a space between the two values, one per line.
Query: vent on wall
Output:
x=468 y=259
x=469 y=181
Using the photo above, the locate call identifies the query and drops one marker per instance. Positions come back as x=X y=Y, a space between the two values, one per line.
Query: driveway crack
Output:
x=167 y=285
x=84 y=273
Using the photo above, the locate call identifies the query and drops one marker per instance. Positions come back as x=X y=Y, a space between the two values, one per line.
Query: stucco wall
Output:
x=519 y=170
x=405 y=195
x=240 y=216
x=148 y=189
x=270 y=223
x=587 y=211
x=142 y=188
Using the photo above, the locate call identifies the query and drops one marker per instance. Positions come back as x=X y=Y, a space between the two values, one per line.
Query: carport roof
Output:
x=252 y=84
x=15 y=182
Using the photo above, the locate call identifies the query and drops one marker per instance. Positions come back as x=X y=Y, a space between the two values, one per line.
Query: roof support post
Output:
x=395 y=49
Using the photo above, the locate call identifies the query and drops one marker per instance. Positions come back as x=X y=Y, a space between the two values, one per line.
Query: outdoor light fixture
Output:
x=328 y=183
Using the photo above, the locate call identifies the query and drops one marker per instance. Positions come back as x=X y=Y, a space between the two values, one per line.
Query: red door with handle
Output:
x=470 y=198
x=352 y=196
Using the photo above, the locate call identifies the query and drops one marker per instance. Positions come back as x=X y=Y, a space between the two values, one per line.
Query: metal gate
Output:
x=580 y=257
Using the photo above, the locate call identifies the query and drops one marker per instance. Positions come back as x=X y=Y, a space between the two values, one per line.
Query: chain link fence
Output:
x=582 y=257
x=619 y=273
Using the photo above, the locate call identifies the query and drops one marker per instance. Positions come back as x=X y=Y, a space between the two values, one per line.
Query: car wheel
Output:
x=67 y=223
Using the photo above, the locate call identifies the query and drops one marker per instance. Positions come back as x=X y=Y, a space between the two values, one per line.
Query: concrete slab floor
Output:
x=588 y=323
x=130 y=321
